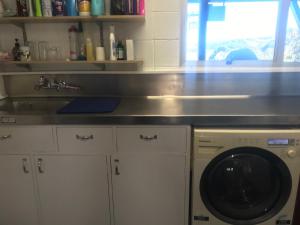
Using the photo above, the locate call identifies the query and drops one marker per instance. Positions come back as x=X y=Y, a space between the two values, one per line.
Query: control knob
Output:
x=291 y=153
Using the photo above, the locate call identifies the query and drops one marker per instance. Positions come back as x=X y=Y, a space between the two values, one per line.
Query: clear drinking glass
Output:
x=43 y=50
x=33 y=50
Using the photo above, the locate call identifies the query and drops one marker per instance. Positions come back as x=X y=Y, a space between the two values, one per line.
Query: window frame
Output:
x=280 y=38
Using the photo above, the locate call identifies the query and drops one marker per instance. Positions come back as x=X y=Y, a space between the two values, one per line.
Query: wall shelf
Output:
x=72 y=19
x=106 y=62
x=35 y=66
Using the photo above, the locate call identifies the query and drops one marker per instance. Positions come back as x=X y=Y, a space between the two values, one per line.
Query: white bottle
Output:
x=112 y=44
x=73 y=39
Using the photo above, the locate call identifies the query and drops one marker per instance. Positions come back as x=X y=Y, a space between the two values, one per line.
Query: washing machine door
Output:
x=245 y=186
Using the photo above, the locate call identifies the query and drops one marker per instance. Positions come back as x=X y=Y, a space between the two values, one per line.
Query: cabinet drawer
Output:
x=85 y=139
x=27 y=139
x=155 y=139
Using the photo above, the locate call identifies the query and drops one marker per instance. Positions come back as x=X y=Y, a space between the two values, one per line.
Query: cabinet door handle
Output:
x=25 y=165
x=84 y=138
x=5 y=137
x=40 y=165
x=117 y=172
x=148 y=138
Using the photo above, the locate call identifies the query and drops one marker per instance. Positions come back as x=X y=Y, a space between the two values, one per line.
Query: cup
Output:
x=52 y=54
x=43 y=47
x=25 y=53
x=33 y=50
x=100 y=54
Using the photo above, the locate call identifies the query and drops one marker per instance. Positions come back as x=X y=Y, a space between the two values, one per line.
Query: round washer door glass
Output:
x=245 y=185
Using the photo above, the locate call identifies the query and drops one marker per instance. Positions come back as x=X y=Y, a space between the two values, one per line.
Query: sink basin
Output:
x=33 y=104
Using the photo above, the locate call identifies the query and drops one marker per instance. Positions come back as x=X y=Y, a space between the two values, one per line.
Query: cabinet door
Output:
x=17 y=197
x=73 y=190
x=149 y=189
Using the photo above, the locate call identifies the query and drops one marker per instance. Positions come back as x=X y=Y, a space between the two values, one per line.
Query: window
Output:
x=229 y=31
x=292 y=43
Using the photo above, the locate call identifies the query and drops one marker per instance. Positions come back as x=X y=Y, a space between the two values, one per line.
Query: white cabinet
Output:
x=151 y=176
x=149 y=189
x=73 y=190
x=17 y=194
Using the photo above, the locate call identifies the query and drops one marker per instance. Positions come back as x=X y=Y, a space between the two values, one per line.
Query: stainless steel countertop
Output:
x=252 y=111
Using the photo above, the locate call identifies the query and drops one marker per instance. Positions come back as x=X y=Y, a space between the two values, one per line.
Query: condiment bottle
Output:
x=84 y=7
x=89 y=50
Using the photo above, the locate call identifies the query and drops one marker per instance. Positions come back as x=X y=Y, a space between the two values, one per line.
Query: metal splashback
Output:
x=254 y=84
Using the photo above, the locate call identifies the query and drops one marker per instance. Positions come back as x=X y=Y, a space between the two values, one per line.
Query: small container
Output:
x=100 y=54
x=129 y=50
x=84 y=8
x=25 y=53
x=98 y=7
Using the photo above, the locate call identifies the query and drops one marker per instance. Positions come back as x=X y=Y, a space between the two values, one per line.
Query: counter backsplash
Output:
x=254 y=84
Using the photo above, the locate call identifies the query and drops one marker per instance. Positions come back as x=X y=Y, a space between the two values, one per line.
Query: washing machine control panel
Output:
x=282 y=142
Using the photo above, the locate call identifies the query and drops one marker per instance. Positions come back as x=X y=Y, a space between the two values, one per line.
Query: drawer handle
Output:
x=84 y=138
x=40 y=165
x=148 y=138
x=25 y=165
x=5 y=137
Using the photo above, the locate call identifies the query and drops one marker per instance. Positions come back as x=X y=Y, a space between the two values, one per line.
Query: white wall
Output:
x=157 y=41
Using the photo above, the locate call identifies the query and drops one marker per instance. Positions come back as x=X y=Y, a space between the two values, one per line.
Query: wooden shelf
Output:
x=72 y=19
x=106 y=62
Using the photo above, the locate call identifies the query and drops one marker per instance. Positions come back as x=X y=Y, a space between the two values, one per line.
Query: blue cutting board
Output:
x=90 y=105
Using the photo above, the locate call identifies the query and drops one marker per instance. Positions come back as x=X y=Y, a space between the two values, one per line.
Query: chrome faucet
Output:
x=58 y=85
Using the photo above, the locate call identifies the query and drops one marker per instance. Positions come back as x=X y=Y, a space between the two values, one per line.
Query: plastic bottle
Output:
x=89 y=50
x=97 y=7
x=22 y=8
x=73 y=42
x=142 y=7
x=81 y=43
x=112 y=44
x=84 y=7
x=47 y=8
x=30 y=8
x=37 y=8
x=72 y=9
x=58 y=7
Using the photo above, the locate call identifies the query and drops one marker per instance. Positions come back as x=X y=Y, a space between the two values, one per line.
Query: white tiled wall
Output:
x=157 y=41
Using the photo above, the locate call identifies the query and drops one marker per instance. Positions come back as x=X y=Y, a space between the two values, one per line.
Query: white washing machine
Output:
x=245 y=177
